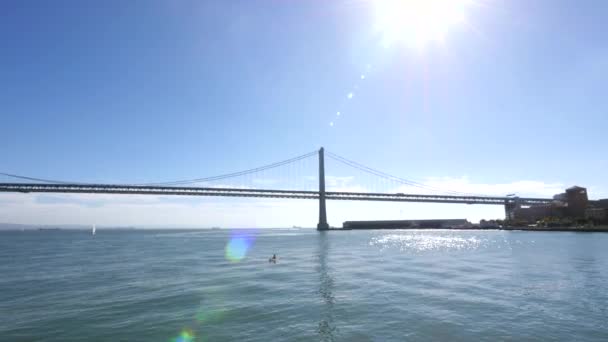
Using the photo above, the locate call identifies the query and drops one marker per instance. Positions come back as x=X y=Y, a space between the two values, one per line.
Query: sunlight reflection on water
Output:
x=421 y=242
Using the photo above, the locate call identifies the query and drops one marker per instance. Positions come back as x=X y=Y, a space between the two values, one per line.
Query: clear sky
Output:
x=511 y=98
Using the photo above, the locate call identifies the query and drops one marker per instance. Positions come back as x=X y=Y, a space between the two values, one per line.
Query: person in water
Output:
x=273 y=259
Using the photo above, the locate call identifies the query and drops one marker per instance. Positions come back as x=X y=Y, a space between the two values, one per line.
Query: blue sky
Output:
x=143 y=91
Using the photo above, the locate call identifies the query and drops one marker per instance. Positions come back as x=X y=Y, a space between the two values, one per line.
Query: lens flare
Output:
x=238 y=246
x=184 y=336
x=213 y=307
x=211 y=316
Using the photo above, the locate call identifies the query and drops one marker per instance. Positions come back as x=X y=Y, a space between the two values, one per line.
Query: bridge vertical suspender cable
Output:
x=391 y=178
x=183 y=181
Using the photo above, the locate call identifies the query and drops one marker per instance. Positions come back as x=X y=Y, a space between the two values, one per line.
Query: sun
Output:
x=417 y=23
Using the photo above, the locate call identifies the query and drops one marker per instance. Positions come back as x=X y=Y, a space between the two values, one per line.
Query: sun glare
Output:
x=417 y=23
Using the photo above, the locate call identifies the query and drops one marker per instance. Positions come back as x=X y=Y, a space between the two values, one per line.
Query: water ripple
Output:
x=415 y=285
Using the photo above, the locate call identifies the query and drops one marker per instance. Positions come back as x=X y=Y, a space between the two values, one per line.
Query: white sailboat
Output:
x=93 y=231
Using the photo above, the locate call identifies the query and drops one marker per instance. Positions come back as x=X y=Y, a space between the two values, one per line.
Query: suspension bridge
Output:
x=187 y=187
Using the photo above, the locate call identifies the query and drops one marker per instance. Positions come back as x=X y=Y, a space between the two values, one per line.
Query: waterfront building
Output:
x=408 y=224
x=577 y=200
x=597 y=215
x=537 y=212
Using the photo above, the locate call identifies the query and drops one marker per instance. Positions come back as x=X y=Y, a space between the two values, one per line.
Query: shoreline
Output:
x=602 y=229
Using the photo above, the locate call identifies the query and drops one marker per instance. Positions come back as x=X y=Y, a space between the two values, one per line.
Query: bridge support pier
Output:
x=511 y=207
x=322 y=225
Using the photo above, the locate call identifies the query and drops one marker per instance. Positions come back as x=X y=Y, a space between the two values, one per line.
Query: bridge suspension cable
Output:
x=184 y=181
x=34 y=179
x=261 y=169
x=237 y=174
x=396 y=179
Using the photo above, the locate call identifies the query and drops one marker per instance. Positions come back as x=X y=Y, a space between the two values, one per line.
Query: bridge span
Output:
x=321 y=195
x=263 y=193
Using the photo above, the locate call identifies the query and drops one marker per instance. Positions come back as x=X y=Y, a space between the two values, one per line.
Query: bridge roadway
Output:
x=266 y=193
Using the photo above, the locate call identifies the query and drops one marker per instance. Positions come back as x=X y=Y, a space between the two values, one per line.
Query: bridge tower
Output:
x=322 y=225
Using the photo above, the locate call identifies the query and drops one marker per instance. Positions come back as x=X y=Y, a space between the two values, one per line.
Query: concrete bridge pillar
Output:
x=322 y=225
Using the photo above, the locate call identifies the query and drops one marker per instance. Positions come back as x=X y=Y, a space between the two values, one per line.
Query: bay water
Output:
x=218 y=285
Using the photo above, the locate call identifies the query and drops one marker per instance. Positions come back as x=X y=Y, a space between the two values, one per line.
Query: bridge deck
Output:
x=265 y=193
